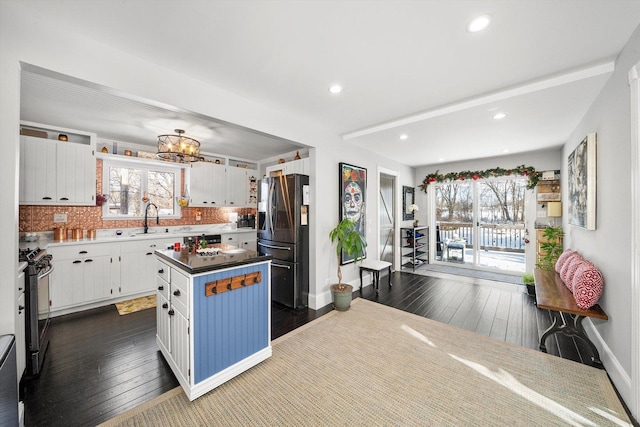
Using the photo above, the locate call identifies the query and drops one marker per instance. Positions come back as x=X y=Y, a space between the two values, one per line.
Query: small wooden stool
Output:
x=375 y=267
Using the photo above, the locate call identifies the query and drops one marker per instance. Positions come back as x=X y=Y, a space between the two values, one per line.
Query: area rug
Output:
x=378 y=366
x=137 y=304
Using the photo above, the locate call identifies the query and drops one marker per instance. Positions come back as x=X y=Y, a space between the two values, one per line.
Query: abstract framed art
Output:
x=353 y=193
x=582 y=184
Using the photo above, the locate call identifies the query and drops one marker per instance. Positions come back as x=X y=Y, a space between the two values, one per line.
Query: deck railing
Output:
x=495 y=237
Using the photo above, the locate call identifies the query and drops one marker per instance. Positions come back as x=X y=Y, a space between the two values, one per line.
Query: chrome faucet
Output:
x=146 y=215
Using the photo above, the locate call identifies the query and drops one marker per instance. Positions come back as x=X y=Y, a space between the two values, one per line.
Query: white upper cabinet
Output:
x=54 y=172
x=217 y=185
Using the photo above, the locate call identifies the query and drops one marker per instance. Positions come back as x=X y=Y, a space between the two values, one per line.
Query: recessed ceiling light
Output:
x=478 y=24
x=335 y=89
x=499 y=116
x=506 y=150
x=404 y=136
x=441 y=159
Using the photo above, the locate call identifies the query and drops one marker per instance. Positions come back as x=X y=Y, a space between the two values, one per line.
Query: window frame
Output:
x=145 y=166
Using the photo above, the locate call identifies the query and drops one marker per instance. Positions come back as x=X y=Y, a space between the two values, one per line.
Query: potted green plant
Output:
x=529 y=281
x=350 y=241
x=551 y=248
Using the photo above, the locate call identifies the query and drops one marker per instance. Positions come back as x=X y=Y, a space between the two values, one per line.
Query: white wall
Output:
x=31 y=39
x=609 y=246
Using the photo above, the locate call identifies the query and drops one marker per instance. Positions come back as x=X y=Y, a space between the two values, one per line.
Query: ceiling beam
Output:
x=534 y=86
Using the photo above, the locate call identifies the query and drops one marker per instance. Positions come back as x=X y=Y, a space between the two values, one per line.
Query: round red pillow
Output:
x=571 y=271
x=562 y=259
x=574 y=257
x=588 y=285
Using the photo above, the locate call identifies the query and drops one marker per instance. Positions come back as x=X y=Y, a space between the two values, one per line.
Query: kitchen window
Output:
x=130 y=186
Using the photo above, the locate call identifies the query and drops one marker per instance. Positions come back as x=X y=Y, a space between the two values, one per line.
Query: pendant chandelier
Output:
x=178 y=148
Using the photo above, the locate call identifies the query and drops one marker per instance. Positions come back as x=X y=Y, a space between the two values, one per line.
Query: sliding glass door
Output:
x=480 y=224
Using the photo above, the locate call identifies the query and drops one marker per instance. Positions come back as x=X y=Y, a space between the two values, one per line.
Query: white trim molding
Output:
x=634 y=83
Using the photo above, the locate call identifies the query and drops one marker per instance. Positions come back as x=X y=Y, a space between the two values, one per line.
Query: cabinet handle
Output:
x=177 y=292
x=171 y=312
x=77 y=261
x=46 y=198
x=88 y=260
x=82 y=252
x=20 y=308
x=161 y=288
x=161 y=271
x=149 y=253
x=165 y=305
x=64 y=198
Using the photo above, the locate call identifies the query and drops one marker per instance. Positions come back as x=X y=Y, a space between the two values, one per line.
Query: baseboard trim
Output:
x=618 y=375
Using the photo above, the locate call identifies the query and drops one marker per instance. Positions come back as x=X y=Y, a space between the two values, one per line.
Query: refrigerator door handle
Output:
x=287 y=248
x=270 y=207
x=281 y=266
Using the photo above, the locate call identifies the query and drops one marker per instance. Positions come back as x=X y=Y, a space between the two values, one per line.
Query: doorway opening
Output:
x=480 y=224
x=386 y=217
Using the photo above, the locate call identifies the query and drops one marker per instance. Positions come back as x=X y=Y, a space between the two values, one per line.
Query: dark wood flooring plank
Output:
x=514 y=323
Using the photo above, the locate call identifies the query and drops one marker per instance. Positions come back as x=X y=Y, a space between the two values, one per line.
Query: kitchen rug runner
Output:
x=136 y=304
x=377 y=366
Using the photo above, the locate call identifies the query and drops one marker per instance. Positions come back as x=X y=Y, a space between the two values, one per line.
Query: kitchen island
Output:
x=213 y=314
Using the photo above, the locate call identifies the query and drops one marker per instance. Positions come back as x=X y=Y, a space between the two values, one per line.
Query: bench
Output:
x=375 y=267
x=553 y=295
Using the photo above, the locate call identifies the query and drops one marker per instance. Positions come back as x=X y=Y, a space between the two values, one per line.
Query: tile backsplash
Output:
x=40 y=218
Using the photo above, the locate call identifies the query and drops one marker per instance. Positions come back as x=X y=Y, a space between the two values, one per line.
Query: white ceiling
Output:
x=406 y=67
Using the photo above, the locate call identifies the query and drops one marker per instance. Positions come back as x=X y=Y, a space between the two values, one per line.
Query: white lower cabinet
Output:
x=137 y=265
x=90 y=272
x=82 y=274
x=172 y=317
x=163 y=319
x=248 y=241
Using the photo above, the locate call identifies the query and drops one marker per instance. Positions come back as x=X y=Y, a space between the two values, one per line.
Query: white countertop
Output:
x=45 y=239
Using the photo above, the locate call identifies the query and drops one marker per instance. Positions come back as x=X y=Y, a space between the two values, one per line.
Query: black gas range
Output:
x=37 y=306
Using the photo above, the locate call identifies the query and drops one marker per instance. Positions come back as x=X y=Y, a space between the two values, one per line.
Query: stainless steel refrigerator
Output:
x=283 y=233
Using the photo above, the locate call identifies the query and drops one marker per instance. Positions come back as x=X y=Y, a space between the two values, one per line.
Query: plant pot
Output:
x=341 y=297
x=531 y=289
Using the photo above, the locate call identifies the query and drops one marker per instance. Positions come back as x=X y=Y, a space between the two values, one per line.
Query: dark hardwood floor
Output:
x=100 y=364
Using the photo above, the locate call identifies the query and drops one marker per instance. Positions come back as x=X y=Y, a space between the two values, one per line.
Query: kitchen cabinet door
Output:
x=237 y=187
x=37 y=170
x=179 y=338
x=66 y=282
x=163 y=320
x=230 y=239
x=207 y=185
x=199 y=188
x=97 y=278
x=76 y=174
x=248 y=241
x=138 y=265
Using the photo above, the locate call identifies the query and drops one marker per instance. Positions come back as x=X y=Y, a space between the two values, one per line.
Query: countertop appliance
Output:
x=37 y=310
x=8 y=381
x=283 y=233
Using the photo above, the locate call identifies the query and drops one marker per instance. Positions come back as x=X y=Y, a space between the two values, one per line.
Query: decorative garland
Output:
x=475 y=175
